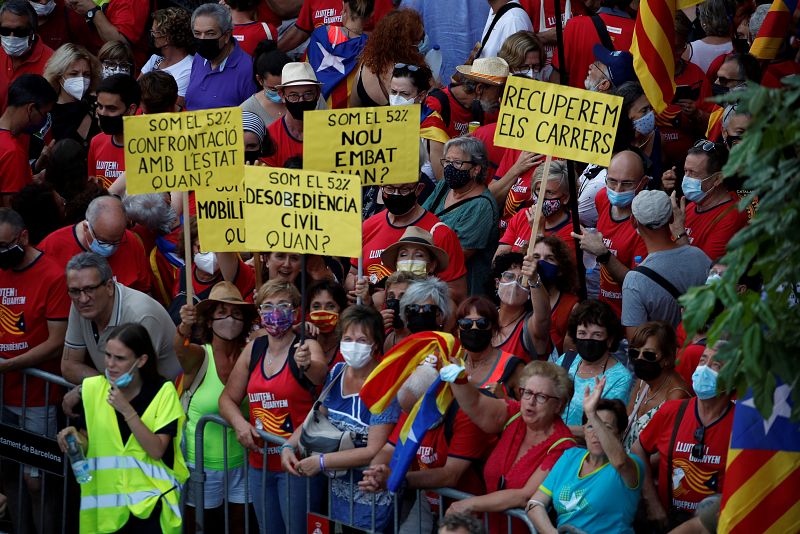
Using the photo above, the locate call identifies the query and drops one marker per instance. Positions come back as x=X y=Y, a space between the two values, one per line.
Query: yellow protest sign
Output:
x=381 y=145
x=558 y=121
x=183 y=151
x=307 y=212
x=220 y=218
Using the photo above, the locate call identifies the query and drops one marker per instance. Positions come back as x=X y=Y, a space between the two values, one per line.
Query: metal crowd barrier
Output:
x=37 y=454
x=197 y=478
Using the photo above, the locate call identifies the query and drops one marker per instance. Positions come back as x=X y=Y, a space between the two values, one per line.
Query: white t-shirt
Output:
x=180 y=70
x=587 y=190
x=511 y=22
x=703 y=54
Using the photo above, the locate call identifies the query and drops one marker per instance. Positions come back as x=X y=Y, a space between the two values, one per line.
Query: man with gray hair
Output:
x=104 y=232
x=222 y=73
x=99 y=304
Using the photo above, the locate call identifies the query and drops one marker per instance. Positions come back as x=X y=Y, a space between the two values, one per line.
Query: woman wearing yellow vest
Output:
x=131 y=432
x=223 y=322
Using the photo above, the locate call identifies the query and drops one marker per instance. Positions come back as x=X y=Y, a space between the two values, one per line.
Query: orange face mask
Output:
x=326 y=321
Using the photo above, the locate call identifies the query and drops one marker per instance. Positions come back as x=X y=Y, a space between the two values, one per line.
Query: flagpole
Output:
x=572 y=181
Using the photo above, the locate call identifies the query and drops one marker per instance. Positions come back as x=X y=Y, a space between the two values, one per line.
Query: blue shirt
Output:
x=597 y=502
x=230 y=84
x=618 y=386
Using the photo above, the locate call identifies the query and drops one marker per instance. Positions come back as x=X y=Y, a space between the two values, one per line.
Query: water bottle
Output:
x=79 y=464
x=636 y=261
x=434 y=60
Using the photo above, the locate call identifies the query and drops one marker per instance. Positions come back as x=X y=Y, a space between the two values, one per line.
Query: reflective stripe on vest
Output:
x=129 y=462
x=90 y=502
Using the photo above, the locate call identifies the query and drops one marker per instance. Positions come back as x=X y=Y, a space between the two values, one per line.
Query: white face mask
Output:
x=76 y=87
x=397 y=100
x=419 y=267
x=512 y=293
x=43 y=10
x=15 y=46
x=206 y=262
x=355 y=354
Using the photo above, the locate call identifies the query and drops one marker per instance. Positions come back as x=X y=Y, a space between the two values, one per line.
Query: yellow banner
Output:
x=220 y=219
x=381 y=145
x=183 y=151
x=558 y=121
x=307 y=212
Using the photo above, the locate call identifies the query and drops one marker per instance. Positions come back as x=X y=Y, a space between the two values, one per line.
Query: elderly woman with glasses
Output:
x=464 y=203
x=532 y=436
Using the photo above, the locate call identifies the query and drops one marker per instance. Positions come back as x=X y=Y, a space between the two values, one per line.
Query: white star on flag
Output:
x=330 y=60
x=780 y=408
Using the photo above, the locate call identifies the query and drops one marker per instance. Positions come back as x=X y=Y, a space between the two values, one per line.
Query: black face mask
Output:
x=111 y=125
x=456 y=178
x=475 y=340
x=207 y=48
x=11 y=257
x=251 y=156
x=591 y=350
x=296 y=109
x=394 y=305
x=422 y=321
x=646 y=370
x=717 y=89
x=400 y=204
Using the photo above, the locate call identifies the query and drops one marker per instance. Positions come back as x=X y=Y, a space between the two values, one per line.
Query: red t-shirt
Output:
x=514 y=344
x=460 y=116
x=543 y=17
x=267 y=15
x=30 y=298
x=33 y=64
x=128 y=263
x=486 y=135
x=286 y=146
x=106 y=159
x=519 y=196
x=580 y=36
x=382 y=7
x=53 y=29
x=129 y=17
x=692 y=480
x=518 y=233
x=250 y=34
x=711 y=230
x=315 y=13
x=622 y=240
x=15 y=171
x=378 y=233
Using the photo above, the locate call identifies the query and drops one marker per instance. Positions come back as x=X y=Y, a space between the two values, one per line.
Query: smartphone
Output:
x=686 y=92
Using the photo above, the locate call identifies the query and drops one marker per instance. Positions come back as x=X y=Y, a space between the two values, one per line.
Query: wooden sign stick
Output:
x=537 y=211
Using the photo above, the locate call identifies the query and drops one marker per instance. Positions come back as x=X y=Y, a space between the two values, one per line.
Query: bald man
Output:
x=104 y=232
x=615 y=243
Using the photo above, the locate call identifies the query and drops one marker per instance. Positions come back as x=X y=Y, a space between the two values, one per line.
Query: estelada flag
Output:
x=762 y=477
x=334 y=58
x=773 y=30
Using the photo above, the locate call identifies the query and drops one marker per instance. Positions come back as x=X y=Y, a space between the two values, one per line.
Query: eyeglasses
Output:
x=466 y=323
x=157 y=35
x=422 y=308
x=457 y=163
x=509 y=276
x=270 y=308
x=624 y=185
x=17 y=32
x=390 y=190
x=699 y=447
x=607 y=76
x=412 y=68
x=5 y=247
x=706 y=145
x=106 y=243
x=75 y=292
x=308 y=96
x=648 y=355
x=539 y=398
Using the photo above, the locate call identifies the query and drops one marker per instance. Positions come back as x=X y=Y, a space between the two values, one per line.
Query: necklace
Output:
x=605 y=363
x=653 y=396
x=648 y=139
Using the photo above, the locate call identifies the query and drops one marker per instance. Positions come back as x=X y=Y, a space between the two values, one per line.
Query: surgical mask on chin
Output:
x=693 y=189
x=397 y=100
x=15 y=46
x=273 y=96
x=419 y=267
x=512 y=293
x=712 y=278
x=124 y=380
x=645 y=124
x=355 y=354
x=704 y=382
x=43 y=10
x=587 y=84
x=75 y=87
x=620 y=200
x=206 y=262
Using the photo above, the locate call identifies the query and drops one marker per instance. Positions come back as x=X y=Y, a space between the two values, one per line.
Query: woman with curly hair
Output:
x=172 y=36
x=398 y=38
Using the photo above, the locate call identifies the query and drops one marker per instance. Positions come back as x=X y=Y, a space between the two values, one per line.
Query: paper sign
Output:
x=220 y=219
x=381 y=145
x=184 y=151
x=558 y=121
x=307 y=212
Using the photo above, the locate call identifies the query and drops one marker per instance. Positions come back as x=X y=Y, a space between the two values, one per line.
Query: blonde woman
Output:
x=525 y=55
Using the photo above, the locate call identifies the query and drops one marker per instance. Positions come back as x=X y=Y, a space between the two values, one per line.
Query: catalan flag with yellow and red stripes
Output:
x=653 y=49
x=773 y=30
x=762 y=476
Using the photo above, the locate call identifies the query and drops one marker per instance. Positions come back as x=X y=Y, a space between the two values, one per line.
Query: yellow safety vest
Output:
x=125 y=480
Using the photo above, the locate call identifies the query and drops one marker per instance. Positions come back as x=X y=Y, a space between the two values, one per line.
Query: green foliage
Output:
x=764 y=333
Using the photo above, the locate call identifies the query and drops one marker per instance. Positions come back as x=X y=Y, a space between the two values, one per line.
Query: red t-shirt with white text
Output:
x=106 y=159
x=250 y=34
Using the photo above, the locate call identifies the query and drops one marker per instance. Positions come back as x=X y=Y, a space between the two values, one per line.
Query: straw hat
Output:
x=414 y=235
x=491 y=70
x=226 y=293
x=297 y=73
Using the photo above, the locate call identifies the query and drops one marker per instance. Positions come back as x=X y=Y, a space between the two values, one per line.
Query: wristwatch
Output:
x=604 y=257
x=90 y=15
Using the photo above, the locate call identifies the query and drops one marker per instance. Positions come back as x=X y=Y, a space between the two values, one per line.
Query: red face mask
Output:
x=326 y=321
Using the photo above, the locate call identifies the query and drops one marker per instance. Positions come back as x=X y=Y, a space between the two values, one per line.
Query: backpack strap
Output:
x=559 y=442
x=678 y=420
x=186 y=396
x=602 y=32
x=569 y=357
x=660 y=280
x=497 y=16
x=260 y=346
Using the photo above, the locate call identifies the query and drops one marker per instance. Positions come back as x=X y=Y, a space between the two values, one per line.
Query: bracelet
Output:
x=322 y=462
x=285 y=446
x=131 y=416
x=680 y=236
x=533 y=503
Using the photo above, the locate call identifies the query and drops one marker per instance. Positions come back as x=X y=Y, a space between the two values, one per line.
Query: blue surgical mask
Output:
x=124 y=380
x=272 y=96
x=704 y=382
x=712 y=278
x=693 y=189
x=103 y=249
x=424 y=45
x=620 y=200
x=646 y=123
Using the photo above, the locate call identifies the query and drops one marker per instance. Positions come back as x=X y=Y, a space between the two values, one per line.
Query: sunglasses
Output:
x=17 y=32
x=422 y=308
x=699 y=447
x=482 y=324
x=412 y=68
x=707 y=146
x=648 y=355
